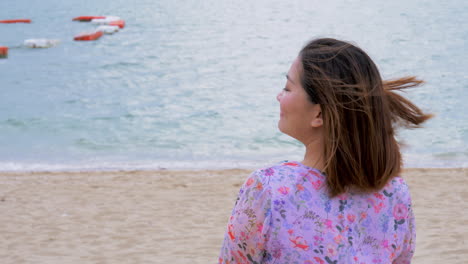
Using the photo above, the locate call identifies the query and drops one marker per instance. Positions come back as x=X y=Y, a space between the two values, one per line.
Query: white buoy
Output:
x=108 y=29
x=105 y=20
x=41 y=43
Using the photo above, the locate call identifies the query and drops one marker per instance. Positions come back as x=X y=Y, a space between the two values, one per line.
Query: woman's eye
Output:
x=285 y=89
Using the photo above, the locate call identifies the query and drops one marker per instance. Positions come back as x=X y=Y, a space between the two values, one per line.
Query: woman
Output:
x=345 y=202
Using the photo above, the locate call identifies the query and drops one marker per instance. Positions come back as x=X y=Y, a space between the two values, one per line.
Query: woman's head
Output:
x=359 y=113
x=299 y=117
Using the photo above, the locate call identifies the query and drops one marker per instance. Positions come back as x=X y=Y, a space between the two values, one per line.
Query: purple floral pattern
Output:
x=283 y=215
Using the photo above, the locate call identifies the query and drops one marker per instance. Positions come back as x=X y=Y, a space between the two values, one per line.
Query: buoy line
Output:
x=12 y=21
x=107 y=25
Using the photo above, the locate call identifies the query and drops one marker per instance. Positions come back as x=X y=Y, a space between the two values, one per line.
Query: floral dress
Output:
x=283 y=215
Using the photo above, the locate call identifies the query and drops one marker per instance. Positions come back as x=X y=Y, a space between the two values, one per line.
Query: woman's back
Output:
x=284 y=214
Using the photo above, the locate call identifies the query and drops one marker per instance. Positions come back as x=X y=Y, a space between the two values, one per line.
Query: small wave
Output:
x=119 y=65
x=15 y=123
x=88 y=144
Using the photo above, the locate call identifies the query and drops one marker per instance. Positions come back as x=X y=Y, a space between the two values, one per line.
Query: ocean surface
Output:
x=193 y=84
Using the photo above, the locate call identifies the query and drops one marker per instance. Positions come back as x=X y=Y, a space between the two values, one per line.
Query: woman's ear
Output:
x=317 y=120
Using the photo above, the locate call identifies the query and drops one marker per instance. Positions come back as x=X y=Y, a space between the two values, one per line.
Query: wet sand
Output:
x=179 y=216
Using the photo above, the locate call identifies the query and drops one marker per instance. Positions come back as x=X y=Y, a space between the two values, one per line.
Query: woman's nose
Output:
x=278 y=96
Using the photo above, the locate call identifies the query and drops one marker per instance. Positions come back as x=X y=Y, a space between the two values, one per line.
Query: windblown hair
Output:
x=360 y=113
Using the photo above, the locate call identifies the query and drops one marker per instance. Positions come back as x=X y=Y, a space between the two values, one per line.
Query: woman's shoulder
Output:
x=278 y=168
x=285 y=171
x=397 y=186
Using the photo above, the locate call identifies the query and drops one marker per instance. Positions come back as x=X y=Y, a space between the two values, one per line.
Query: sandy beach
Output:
x=179 y=216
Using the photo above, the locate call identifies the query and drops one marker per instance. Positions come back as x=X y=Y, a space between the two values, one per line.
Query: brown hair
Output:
x=360 y=114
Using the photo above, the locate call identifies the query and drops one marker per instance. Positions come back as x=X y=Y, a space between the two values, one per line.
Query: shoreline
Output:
x=169 y=216
x=173 y=171
x=129 y=169
x=409 y=162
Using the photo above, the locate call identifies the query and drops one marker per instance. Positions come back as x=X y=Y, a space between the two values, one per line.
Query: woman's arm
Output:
x=409 y=240
x=246 y=231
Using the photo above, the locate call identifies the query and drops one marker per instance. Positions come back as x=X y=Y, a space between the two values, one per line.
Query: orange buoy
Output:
x=87 y=18
x=3 y=52
x=11 y=21
x=88 y=36
x=119 y=23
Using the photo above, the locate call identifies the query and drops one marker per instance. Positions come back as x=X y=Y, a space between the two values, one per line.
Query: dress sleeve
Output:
x=249 y=222
x=409 y=240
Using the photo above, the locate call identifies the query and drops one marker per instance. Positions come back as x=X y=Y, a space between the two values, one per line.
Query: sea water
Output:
x=193 y=84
